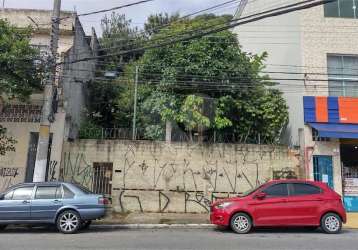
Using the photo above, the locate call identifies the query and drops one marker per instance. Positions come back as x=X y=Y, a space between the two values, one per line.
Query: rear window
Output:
x=67 y=193
x=303 y=189
x=83 y=189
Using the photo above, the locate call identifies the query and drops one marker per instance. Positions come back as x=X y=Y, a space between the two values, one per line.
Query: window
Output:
x=316 y=137
x=49 y=192
x=67 y=194
x=341 y=8
x=342 y=75
x=277 y=190
x=23 y=193
x=83 y=189
x=303 y=189
x=7 y=196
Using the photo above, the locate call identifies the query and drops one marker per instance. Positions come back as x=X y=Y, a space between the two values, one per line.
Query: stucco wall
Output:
x=14 y=163
x=160 y=177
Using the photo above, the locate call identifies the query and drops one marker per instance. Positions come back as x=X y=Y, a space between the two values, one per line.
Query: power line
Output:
x=189 y=32
x=106 y=10
x=209 y=26
x=264 y=16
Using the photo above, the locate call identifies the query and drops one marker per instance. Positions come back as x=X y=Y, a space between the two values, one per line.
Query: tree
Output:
x=156 y=22
x=19 y=72
x=210 y=83
x=118 y=35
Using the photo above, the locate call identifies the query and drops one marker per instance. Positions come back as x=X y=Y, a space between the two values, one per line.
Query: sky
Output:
x=137 y=14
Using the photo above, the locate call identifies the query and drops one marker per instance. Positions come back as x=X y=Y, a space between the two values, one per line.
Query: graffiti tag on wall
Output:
x=179 y=178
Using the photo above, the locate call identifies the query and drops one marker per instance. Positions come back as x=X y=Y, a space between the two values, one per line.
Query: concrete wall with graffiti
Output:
x=15 y=165
x=161 y=177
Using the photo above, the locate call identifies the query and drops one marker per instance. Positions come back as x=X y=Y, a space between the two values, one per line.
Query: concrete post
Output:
x=44 y=133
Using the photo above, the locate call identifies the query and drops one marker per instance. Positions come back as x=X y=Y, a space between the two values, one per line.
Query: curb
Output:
x=153 y=226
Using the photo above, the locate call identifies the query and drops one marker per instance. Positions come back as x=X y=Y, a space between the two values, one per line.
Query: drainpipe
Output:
x=308 y=160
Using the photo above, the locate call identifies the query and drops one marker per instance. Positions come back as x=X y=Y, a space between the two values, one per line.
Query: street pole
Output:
x=44 y=133
x=135 y=103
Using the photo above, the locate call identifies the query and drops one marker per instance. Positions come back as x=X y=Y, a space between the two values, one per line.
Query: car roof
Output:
x=49 y=183
x=294 y=181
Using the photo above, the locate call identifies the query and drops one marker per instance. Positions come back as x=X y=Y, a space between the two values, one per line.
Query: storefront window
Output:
x=349 y=158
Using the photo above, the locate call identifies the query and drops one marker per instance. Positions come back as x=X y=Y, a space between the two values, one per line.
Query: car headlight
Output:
x=223 y=205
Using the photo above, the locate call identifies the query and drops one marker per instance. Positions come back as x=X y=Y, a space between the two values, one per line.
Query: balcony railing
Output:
x=21 y=113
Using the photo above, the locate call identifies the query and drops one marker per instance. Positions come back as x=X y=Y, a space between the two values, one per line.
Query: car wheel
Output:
x=86 y=224
x=68 y=222
x=241 y=223
x=331 y=223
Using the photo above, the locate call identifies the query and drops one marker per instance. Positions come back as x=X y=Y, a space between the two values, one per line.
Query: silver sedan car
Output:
x=68 y=206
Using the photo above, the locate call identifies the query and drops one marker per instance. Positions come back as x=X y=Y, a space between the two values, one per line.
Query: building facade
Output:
x=22 y=120
x=313 y=56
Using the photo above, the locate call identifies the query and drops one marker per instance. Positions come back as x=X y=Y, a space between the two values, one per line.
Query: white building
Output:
x=316 y=49
x=22 y=120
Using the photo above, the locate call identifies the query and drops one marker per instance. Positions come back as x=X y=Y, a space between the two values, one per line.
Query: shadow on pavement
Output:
x=280 y=230
x=50 y=230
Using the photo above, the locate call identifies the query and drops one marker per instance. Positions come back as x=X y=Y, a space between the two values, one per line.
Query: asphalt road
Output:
x=173 y=239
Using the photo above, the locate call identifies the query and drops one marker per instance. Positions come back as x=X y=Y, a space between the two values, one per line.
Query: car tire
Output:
x=68 y=222
x=86 y=224
x=331 y=223
x=2 y=227
x=241 y=223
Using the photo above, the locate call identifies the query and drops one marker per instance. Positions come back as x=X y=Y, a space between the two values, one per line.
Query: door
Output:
x=47 y=200
x=31 y=156
x=323 y=169
x=16 y=204
x=272 y=210
x=304 y=202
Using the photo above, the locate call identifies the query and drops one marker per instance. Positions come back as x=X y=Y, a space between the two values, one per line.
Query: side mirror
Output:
x=260 y=196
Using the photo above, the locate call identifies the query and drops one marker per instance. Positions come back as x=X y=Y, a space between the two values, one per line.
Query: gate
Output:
x=102 y=178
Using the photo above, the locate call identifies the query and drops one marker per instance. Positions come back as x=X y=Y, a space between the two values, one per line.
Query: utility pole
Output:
x=44 y=133
x=241 y=8
x=3 y=6
x=135 y=103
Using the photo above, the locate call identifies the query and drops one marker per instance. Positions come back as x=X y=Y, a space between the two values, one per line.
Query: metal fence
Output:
x=106 y=134
x=177 y=136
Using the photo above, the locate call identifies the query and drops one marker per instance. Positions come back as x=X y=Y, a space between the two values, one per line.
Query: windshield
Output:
x=247 y=193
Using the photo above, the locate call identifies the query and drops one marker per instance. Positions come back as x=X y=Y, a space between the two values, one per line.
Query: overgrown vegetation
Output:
x=205 y=87
x=20 y=72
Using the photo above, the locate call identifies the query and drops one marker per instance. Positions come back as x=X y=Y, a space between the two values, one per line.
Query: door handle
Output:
x=25 y=202
x=56 y=201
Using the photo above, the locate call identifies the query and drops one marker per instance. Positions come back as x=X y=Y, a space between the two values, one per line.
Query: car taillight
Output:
x=103 y=201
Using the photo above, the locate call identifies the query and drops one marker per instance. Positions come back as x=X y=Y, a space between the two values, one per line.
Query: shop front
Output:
x=332 y=125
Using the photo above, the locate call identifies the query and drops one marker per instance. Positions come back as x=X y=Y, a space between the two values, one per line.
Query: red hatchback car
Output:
x=282 y=203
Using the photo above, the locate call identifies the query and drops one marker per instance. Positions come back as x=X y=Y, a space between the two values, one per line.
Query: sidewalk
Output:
x=174 y=220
